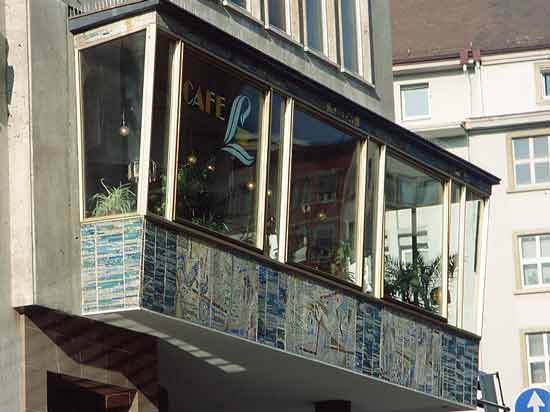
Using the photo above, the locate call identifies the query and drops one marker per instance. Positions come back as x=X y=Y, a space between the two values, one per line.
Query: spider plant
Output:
x=114 y=200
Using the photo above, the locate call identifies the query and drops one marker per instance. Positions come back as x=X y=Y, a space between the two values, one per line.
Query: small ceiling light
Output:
x=322 y=216
x=211 y=168
x=123 y=130
x=192 y=159
x=269 y=192
x=251 y=185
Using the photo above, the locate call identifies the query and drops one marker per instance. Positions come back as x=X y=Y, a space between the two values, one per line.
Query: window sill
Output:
x=356 y=76
x=530 y=188
x=242 y=11
x=415 y=119
x=283 y=34
x=533 y=291
x=319 y=55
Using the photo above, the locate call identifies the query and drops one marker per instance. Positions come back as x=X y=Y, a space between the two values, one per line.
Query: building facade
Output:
x=475 y=80
x=208 y=206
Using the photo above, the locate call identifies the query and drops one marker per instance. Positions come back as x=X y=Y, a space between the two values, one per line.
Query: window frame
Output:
x=288 y=19
x=527 y=359
x=512 y=186
x=414 y=86
x=540 y=70
x=521 y=288
x=359 y=39
x=324 y=53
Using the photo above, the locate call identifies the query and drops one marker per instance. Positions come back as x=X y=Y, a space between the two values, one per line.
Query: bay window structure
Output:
x=534 y=256
x=531 y=161
x=201 y=144
x=538 y=358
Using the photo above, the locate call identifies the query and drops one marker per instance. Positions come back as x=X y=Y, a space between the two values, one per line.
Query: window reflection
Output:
x=454 y=237
x=350 y=32
x=322 y=200
x=471 y=249
x=413 y=235
x=218 y=143
x=112 y=89
x=277 y=13
x=315 y=24
x=274 y=182
x=161 y=124
x=371 y=202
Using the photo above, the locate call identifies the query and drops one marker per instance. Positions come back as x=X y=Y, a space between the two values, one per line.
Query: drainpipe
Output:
x=478 y=69
x=464 y=56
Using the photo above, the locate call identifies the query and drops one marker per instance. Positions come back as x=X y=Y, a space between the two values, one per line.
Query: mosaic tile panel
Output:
x=191 y=280
x=111 y=264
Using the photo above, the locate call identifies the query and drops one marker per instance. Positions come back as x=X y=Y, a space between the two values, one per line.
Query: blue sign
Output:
x=533 y=400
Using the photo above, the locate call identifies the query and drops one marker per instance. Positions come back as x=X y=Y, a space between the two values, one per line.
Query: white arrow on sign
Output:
x=535 y=402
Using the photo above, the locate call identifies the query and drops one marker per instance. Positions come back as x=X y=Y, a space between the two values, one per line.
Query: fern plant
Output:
x=114 y=200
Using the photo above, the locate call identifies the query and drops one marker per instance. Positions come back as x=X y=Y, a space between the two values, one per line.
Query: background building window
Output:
x=278 y=12
x=315 y=25
x=240 y=3
x=534 y=252
x=531 y=158
x=414 y=235
x=546 y=83
x=538 y=358
x=112 y=91
x=218 y=143
x=323 y=208
x=415 y=102
x=351 y=42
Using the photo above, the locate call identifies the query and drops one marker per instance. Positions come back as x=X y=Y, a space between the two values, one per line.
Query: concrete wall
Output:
x=43 y=196
x=10 y=346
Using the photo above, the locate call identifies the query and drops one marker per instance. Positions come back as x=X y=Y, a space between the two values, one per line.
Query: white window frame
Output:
x=531 y=161
x=359 y=38
x=538 y=260
x=537 y=359
x=288 y=21
x=414 y=86
x=324 y=35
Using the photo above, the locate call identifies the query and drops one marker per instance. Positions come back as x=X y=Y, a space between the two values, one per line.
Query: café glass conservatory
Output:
x=217 y=191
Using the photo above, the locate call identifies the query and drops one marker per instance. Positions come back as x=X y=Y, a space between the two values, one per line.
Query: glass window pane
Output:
x=371 y=201
x=540 y=147
x=536 y=344
x=538 y=373
x=321 y=228
x=546 y=84
x=454 y=234
x=112 y=88
x=413 y=232
x=523 y=174
x=315 y=26
x=277 y=13
x=161 y=124
x=544 y=245
x=546 y=273
x=350 y=35
x=471 y=249
x=220 y=129
x=529 y=247
x=241 y=3
x=521 y=149
x=530 y=275
x=542 y=172
x=415 y=101
x=273 y=186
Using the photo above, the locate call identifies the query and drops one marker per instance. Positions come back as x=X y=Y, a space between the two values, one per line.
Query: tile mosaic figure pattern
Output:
x=111 y=254
x=195 y=281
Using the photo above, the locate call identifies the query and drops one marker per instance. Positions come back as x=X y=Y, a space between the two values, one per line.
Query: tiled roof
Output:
x=432 y=29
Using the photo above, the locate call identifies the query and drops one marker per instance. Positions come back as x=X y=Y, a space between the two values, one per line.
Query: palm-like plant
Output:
x=114 y=200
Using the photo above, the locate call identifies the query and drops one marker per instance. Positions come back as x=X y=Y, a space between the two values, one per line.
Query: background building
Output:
x=206 y=206
x=474 y=77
